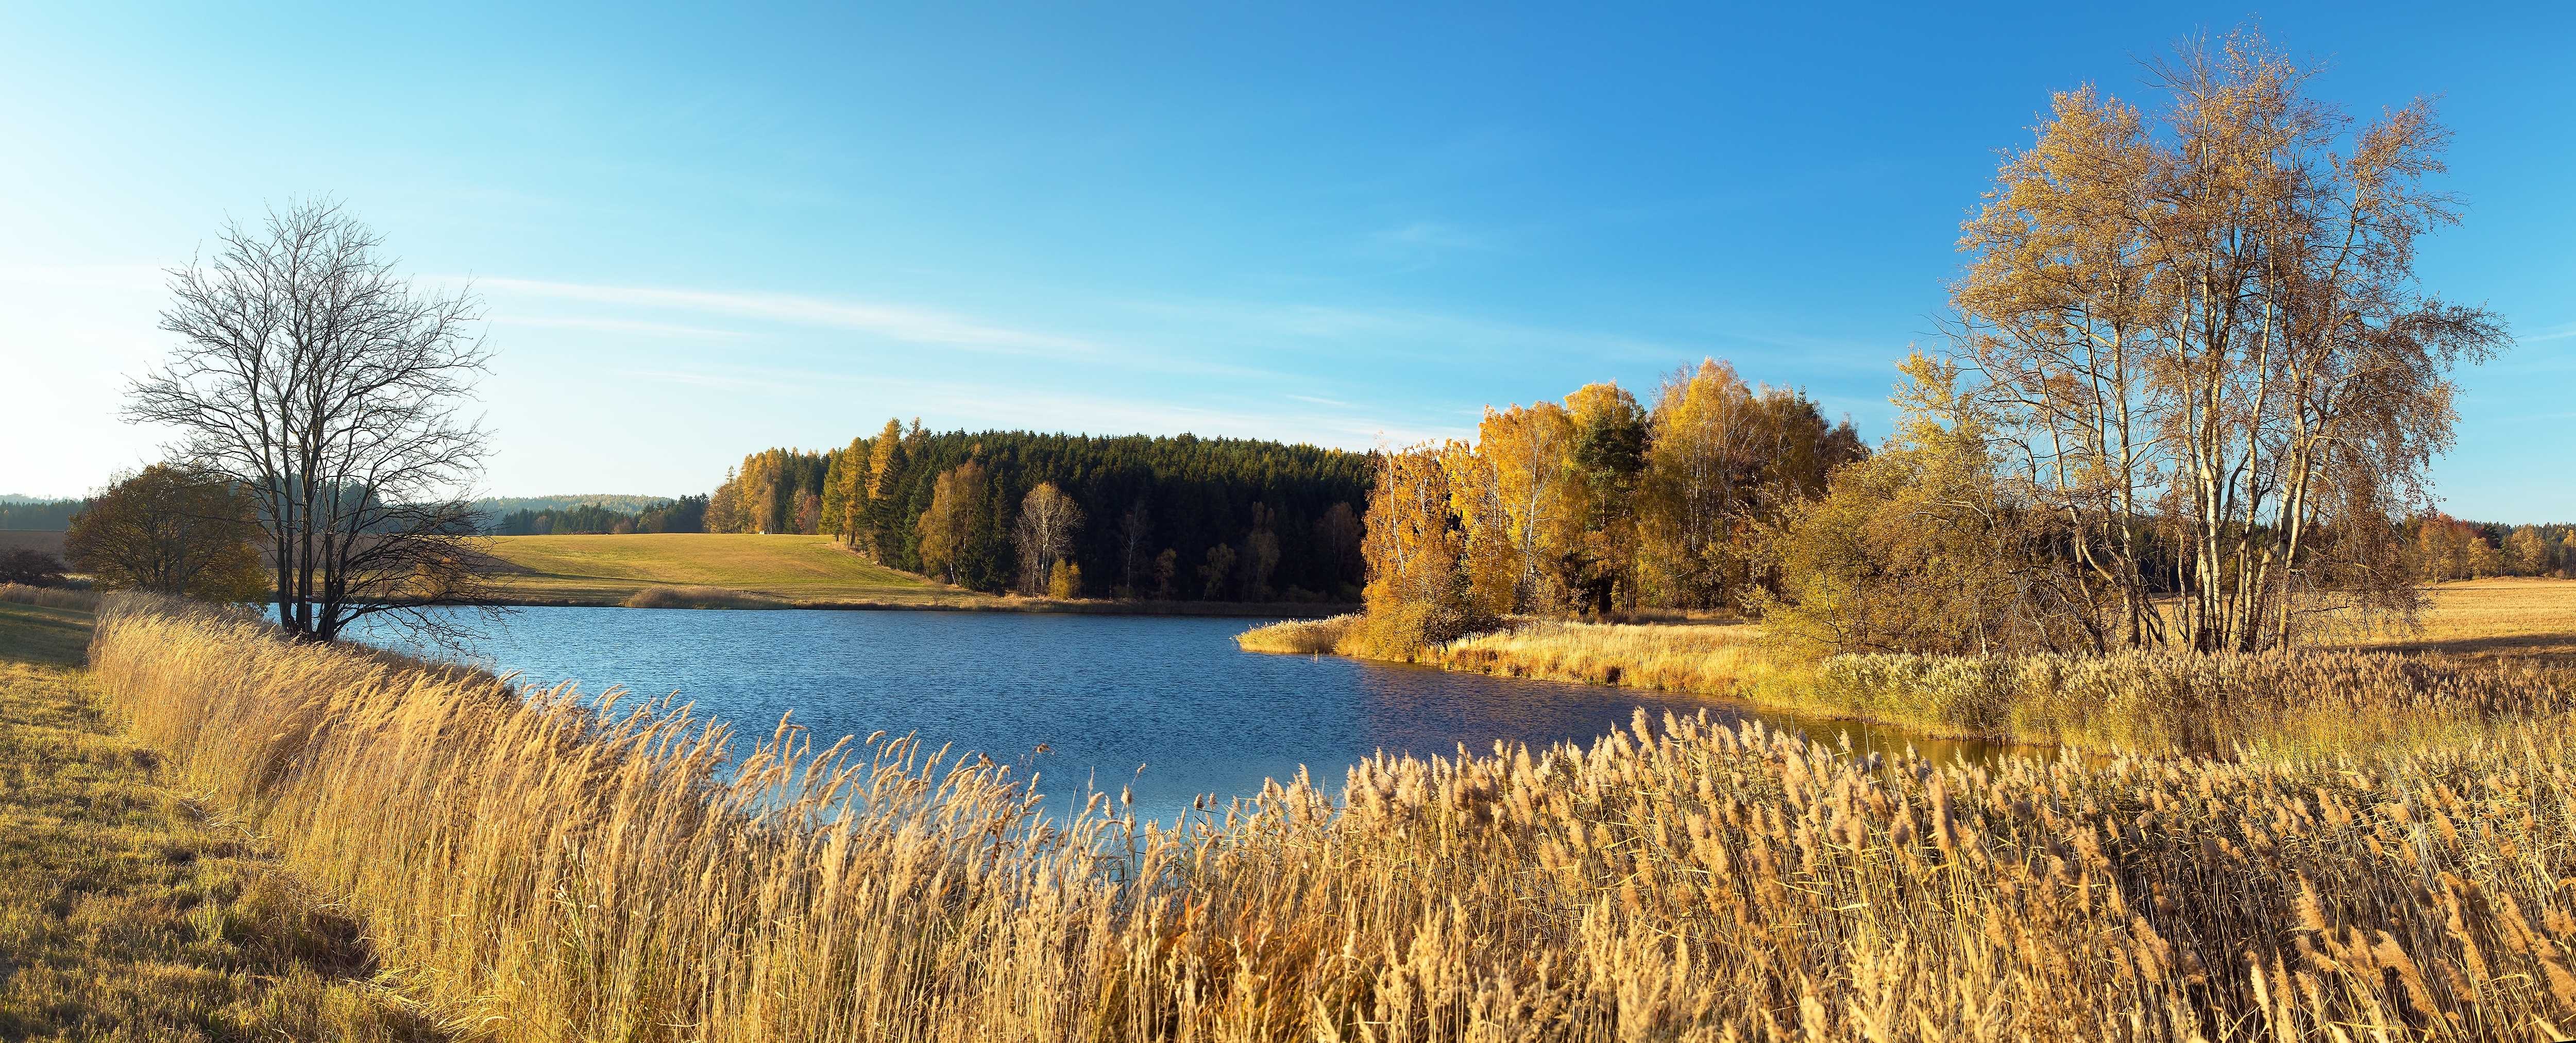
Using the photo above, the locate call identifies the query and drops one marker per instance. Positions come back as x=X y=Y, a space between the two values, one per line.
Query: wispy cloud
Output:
x=2555 y=333
x=629 y=327
x=900 y=323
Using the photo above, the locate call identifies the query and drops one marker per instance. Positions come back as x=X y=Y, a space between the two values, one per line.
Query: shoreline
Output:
x=1202 y=609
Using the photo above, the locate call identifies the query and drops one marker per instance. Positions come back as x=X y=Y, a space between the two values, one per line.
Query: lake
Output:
x=1167 y=705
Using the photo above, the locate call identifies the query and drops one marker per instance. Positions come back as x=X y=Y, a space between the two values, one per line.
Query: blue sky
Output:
x=701 y=232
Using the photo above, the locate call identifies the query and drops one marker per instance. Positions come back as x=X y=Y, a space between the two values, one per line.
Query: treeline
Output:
x=2440 y=547
x=42 y=515
x=1597 y=505
x=686 y=514
x=1178 y=518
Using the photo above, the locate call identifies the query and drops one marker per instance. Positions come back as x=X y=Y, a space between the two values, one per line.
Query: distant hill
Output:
x=621 y=503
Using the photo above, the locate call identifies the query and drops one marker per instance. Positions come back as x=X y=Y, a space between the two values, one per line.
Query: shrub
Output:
x=28 y=566
x=701 y=597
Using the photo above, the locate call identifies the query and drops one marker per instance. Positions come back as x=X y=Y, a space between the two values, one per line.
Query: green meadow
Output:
x=611 y=570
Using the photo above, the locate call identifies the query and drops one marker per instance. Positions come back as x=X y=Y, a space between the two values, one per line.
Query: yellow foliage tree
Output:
x=955 y=498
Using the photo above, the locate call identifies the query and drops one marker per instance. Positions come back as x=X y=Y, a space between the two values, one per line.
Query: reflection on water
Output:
x=1166 y=705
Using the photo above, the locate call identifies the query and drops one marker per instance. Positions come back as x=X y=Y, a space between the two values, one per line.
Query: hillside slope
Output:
x=607 y=570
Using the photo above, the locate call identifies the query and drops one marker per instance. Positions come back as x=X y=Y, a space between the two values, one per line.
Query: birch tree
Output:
x=2199 y=339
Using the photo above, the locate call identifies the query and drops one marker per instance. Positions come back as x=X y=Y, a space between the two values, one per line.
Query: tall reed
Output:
x=50 y=597
x=560 y=868
x=1299 y=636
x=2285 y=702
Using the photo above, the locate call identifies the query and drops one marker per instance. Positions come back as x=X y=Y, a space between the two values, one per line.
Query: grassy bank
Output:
x=611 y=570
x=573 y=875
x=2304 y=703
x=128 y=911
x=700 y=570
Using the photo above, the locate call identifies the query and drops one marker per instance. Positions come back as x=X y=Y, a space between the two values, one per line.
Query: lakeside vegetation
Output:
x=128 y=910
x=560 y=867
x=2281 y=703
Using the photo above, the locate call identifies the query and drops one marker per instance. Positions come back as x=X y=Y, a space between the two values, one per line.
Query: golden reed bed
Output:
x=2300 y=703
x=547 y=867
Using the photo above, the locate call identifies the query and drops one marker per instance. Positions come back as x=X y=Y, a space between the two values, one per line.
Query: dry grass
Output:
x=50 y=597
x=127 y=912
x=2492 y=619
x=574 y=869
x=1715 y=660
x=2308 y=703
x=1298 y=636
x=700 y=597
x=608 y=570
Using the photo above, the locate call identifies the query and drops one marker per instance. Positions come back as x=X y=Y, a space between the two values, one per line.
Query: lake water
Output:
x=1167 y=705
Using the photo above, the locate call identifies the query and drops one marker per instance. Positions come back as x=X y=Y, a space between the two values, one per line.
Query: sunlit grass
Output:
x=128 y=912
x=2492 y=619
x=573 y=870
x=1298 y=636
x=610 y=570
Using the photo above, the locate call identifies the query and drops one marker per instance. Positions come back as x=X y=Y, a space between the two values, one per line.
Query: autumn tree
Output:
x=2199 y=333
x=2526 y=552
x=1521 y=501
x=1044 y=535
x=1214 y=574
x=947 y=529
x=1417 y=592
x=847 y=489
x=1607 y=456
x=171 y=529
x=1702 y=467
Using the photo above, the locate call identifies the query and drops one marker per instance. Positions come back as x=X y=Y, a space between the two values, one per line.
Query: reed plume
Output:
x=557 y=866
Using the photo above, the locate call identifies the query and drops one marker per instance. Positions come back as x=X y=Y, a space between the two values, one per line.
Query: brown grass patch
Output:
x=127 y=912
x=582 y=869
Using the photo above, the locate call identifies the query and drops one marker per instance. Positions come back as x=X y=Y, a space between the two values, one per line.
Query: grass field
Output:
x=609 y=570
x=129 y=912
x=2491 y=619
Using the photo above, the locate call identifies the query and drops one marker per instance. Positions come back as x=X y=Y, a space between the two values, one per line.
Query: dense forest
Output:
x=46 y=515
x=685 y=514
x=1183 y=518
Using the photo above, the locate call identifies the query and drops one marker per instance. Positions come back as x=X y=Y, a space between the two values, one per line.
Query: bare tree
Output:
x=330 y=389
x=1134 y=528
x=1047 y=523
